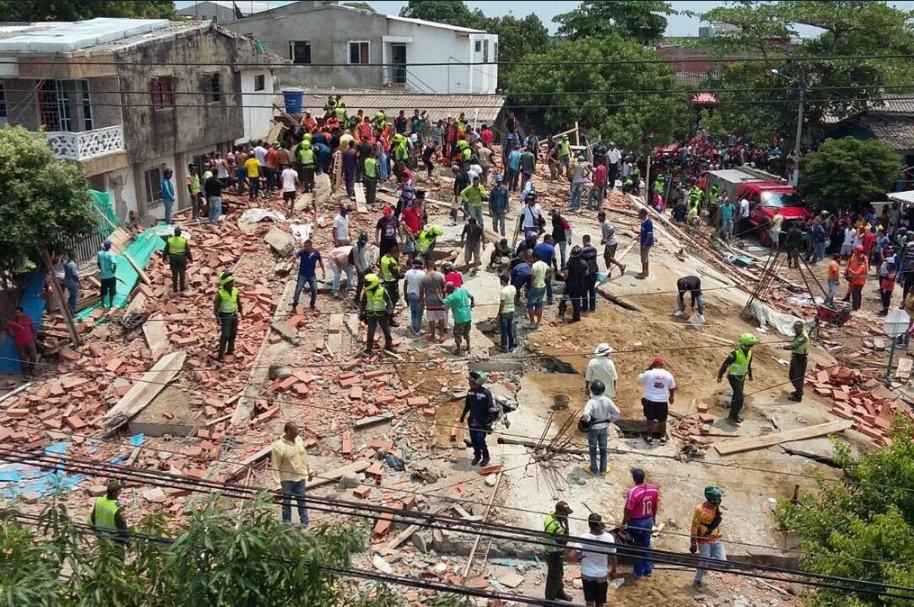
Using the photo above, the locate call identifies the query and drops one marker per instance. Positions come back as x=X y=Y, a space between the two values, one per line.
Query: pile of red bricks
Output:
x=854 y=399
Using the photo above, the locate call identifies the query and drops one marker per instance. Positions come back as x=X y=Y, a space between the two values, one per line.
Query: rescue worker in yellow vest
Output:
x=306 y=162
x=556 y=525
x=376 y=308
x=339 y=110
x=370 y=177
x=799 y=349
x=738 y=366
x=227 y=308
x=380 y=120
x=107 y=517
x=177 y=252
x=400 y=153
x=565 y=153
x=390 y=276
x=426 y=240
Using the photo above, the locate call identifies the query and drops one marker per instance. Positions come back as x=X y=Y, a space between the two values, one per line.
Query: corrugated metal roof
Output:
x=897 y=131
x=895 y=104
x=245 y=6
x=77 y=35
x=478 y=108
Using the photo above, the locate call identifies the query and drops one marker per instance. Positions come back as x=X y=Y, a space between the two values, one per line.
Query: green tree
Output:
x=641 y=20
x=45 y=201
x=516 y=39
x=863 y=527
x=760 y=27
x=453 y=12
x=848 y=172
x=77 y=10
x=625 y=118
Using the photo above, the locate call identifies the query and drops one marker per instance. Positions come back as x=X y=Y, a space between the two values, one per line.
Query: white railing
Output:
x=87 y=144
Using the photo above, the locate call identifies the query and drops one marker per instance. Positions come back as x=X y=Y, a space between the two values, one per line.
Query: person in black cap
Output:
x=556 y=525
x=598 y=563
x=481 y=408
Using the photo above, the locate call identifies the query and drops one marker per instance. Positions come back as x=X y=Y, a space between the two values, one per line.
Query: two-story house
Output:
x=127 y=98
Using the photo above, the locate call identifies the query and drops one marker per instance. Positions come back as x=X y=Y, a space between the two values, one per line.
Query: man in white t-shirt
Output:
x=597 y=555
x=341 y=258
x=603 y=368
x=659 y=394
x=531 y=215
x=743 y=224
x=341 y=227
x=289 y=186
x=506 y=306
x=412 y=287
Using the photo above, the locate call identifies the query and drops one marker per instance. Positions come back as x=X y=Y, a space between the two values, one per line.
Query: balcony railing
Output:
x=87 y=144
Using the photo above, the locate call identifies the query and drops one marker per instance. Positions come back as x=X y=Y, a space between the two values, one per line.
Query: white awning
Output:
x=906 y=197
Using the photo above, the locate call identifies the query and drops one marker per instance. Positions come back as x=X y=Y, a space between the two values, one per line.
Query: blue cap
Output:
x=499 y=177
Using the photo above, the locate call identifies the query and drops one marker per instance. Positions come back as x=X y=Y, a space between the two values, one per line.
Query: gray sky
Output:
x=679 y=25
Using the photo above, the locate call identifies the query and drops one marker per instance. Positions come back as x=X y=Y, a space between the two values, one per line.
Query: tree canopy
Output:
x=863 y=527
x=640 y=20
x=77 y=10
x=453 y=12
x=848 y=172
x=45 y=200
x=606 y=106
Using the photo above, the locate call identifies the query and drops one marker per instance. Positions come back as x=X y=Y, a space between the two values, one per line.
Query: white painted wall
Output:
x=439 y=45
x=256 y=106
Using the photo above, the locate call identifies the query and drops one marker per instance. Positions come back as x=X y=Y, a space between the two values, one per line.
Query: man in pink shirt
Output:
x=20 y=328
x=640 y=509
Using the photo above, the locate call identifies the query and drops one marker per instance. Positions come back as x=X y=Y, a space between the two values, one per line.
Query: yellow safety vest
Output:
x=389 y=268
x=554 y=527
x=105 y=510
x=424 y=242
x=371 y=167
x=800 y=345
x=228 y=302
x=376 y=299
x=306 y=157
x=340 y=112
x=740 y=365
x=177 y=245
x=565 y=149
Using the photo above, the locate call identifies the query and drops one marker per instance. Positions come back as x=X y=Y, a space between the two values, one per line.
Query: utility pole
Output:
x=795 y=177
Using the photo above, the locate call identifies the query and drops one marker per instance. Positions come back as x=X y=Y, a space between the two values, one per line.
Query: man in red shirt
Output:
x=640 y=509
x=20 y=328
x=598 y=192
x=486 y=136
x=414 y=221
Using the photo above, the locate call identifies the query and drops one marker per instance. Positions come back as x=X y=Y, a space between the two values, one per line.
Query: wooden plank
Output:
x=904 y=367
x=334 y=476
x=143 y=392
x=760 y=442
x=12 y=393
x=360 y=204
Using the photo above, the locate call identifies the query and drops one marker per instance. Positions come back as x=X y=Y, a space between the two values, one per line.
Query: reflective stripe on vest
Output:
x=554 y=527
x=177 y=245
x=376 y=299
x=105 y=510
x=740 y=365
x=228 y=302
x=389 y=268
x=800 y=345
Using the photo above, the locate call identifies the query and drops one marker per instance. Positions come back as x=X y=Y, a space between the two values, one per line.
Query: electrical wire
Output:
x=492 y=530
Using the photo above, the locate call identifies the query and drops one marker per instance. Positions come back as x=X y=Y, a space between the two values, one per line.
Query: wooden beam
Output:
x=760 y=442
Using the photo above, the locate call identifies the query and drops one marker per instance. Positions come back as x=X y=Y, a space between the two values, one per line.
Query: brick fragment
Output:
x=493 y=469
x=75 y=422
x=362 y=492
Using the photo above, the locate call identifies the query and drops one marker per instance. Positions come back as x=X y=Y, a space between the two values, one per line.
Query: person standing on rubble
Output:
x=361 y=264
x=309 y=259
x=598 y=563
x=856 y=270
x=799 y=350
x=598 y=413
x=556 y=525
x=659 y=394
x=738 y=366
x=646 y=240
x=706 y=532
x=376 y=308
x=107 y=516
x=480 y=406
x=227 y=308
x=431 y=294
x=460 y=302
x=107 y=268
x=71 y=281
x=641 y=505
x=390 y=275
x=168 y=193
x=291 y=473
x=177 y=253
x=22 y=332
x=692 y=286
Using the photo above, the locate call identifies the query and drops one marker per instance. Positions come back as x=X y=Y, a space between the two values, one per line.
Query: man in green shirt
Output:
x=472 y=198
x=459 y=301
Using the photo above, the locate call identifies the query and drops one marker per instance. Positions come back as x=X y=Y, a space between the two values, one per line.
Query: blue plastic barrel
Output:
x=293 y=99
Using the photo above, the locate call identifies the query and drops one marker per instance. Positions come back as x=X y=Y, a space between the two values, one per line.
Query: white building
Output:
x=331 y=45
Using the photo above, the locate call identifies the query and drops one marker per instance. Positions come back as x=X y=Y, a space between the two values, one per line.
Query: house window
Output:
x=2 y=105
x=358 y=53
x=86 y=101
x=478 y=46
x=54 y=105
x=300 y=52
x=153 y=179
x=213 y=87
x=260 y=82
x=163 y=92
x=495 y=52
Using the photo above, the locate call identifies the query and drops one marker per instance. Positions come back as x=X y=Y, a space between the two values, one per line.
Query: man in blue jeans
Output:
x=641 y=507
x=291 y=473
x=168 y=193
x=599 y=412
x=309 y=259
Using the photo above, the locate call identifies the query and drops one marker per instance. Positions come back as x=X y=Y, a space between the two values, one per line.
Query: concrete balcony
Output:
x=87 y=145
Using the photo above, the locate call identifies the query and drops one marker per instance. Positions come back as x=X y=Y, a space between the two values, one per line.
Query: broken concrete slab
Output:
x=281 y=241
x=144 y=391
x=156 y=333
x=169 y=413
x=283 y=329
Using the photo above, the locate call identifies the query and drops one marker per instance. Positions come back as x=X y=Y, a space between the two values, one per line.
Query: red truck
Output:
x=767 y=195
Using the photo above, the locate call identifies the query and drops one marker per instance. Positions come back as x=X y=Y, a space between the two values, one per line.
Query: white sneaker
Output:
x=679 y=314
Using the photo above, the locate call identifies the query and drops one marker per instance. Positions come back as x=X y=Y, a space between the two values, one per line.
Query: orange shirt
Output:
x=857 y=268
x=834 y=270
